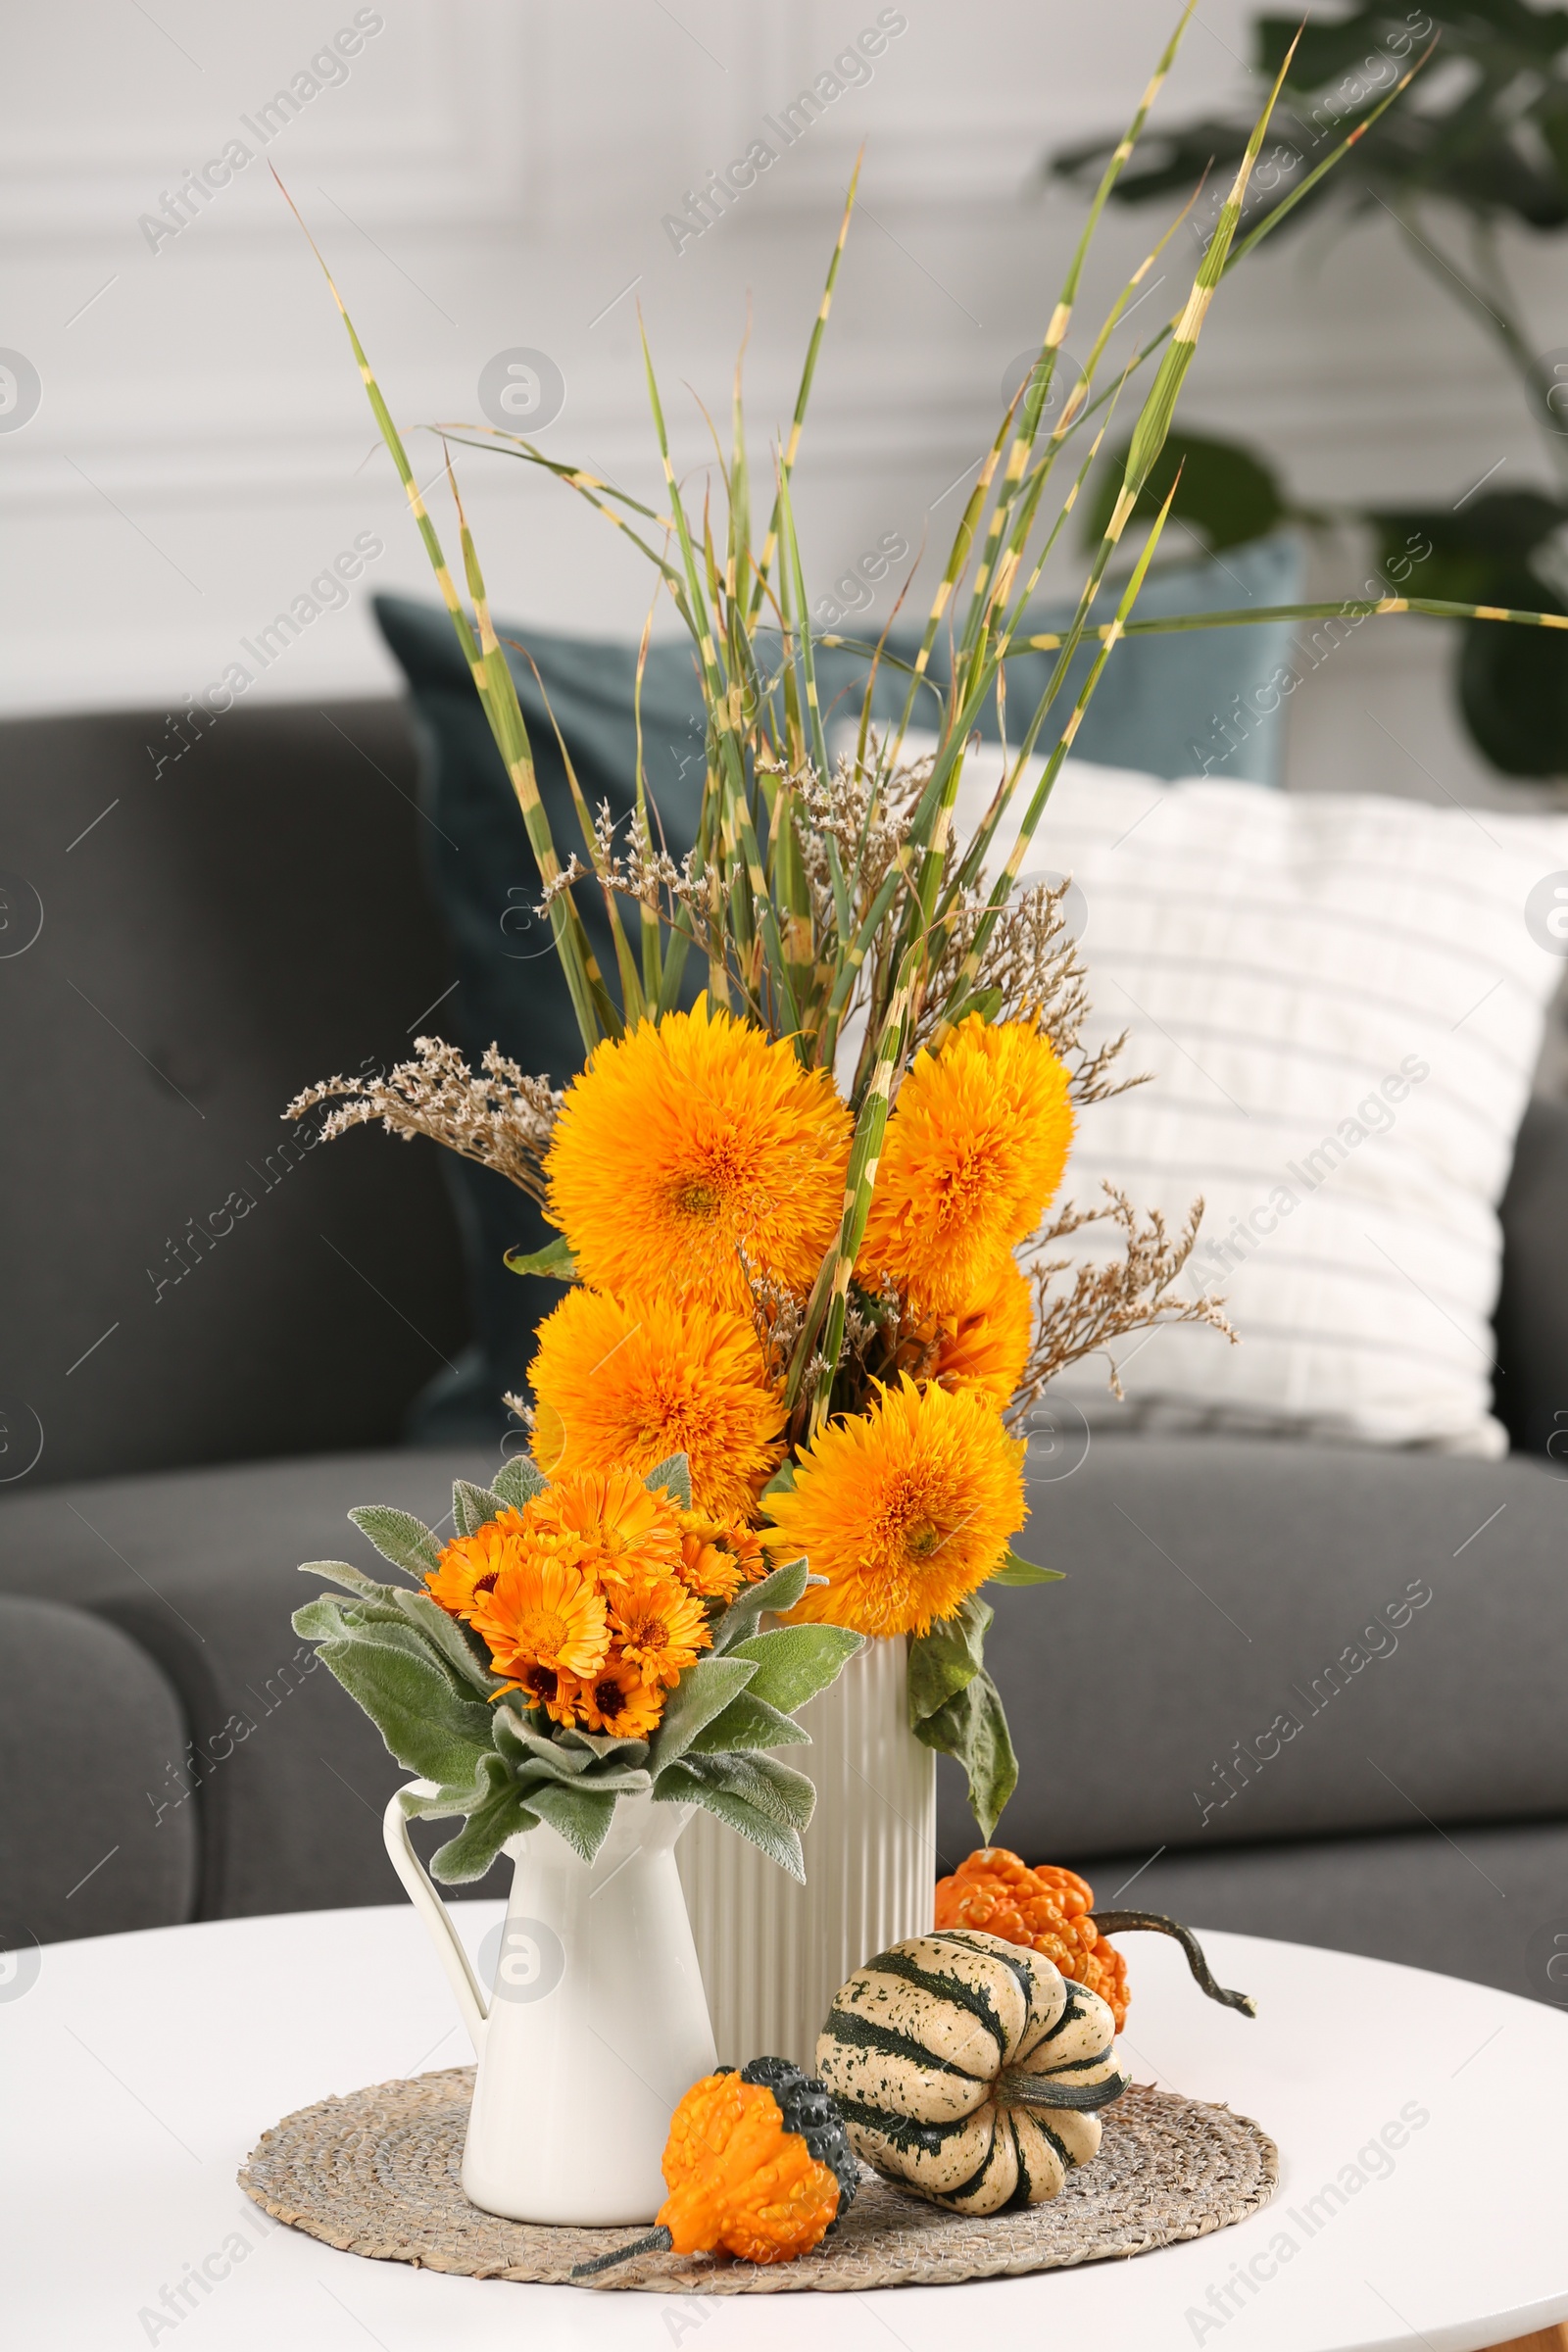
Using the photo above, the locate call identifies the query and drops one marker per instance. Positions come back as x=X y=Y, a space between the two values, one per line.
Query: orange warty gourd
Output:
x=1044 y=1907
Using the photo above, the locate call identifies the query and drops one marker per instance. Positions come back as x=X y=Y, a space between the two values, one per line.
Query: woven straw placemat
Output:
x=377 y=2174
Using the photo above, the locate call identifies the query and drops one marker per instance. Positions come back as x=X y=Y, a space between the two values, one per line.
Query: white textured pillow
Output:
x=1340 y=1007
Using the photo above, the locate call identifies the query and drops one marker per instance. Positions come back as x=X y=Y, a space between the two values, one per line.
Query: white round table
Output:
x=1422 y=2125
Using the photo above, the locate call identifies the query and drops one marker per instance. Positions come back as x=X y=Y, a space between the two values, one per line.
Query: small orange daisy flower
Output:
x=470 y=1564
x=617 y=1700
x=689 y=1140
x=974 y=1148
x=547 y=1629
x=904 y=1509
x=624 y=1383
x=658 y=1627
x=716 y=1559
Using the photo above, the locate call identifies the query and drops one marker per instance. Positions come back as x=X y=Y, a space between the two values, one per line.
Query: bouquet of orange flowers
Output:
x=807 y=1219
x=580 y=1640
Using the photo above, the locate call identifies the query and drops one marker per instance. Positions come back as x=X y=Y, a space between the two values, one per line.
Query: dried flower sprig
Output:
x=502 y=1118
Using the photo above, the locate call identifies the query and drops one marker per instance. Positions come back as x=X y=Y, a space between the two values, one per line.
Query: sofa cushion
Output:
x=1486 y=1904
x=199 y=1568
x=182 y=1281
x=94 y=1835
x=1257 y=1639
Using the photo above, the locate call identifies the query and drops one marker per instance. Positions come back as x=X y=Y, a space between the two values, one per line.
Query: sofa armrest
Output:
x=1531 y=1389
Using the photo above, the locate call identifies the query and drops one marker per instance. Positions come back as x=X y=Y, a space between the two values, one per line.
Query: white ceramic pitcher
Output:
x=596 y=2024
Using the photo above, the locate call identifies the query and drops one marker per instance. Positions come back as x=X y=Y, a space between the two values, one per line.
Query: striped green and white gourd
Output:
x=969 y=2068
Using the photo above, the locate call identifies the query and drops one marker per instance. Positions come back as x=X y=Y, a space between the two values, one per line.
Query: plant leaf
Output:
x=675 y=1475
x=680 y=1785
x=1015 y=1570
x=517 y=1482
x=973 y=1728
x=410 y=1701
x=353 y=1580
x=793 y=1662
x=583 y=1816
x=702 y=1691
x=782 y=1481
x=473 y=1507
x=748 y=1722
x=449 y=1636
x=947 y=1658
x=555 y=1259
x=468 y=1855
x=399 y=1538
x=778 y=1591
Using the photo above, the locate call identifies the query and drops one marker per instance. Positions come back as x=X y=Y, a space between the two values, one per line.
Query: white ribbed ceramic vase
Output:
x=772 y=1953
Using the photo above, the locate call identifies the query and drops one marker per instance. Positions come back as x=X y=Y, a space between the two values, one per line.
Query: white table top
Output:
x=137 y=2071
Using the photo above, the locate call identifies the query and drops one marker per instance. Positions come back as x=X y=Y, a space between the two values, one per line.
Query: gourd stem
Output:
x=1016 y=2088
x=1117 y=1923
x=658 y=2241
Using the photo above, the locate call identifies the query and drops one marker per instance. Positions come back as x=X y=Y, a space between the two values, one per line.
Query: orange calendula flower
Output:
x=904 y=1509
x=974 y=1148
x=986 y=1345
x=625 y=1382
x=547 y=1627
x=617 y=1700
x=716 y=1559
x=657 y=1625
x=611 y=1520
x=470 y=1564
x=687 y=1141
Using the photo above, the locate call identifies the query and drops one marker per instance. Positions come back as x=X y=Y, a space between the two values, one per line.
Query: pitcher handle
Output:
x=432 y=1910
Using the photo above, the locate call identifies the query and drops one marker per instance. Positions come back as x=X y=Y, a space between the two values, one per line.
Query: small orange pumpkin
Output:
x=1046 y=1908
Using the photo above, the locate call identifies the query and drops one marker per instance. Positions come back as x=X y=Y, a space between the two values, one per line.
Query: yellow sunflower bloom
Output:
x=610 y=1519
x=716 y=1559
x=470 y=1564
x=904 y=1509
x=687 y=1141
x=618 y=1701
x=974 y=1148
x=547 y=1627
x=986 y=1345
x=622 y=1384
x=657 y=1625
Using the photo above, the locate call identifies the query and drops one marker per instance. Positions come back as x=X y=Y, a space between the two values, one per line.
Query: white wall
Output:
x=493 y=175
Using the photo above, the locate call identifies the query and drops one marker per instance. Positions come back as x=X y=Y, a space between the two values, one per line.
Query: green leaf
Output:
x=947 y=1658
x=555 y=1259
x=338 y=1572
x=583 y=1816
x=468 y=1855
x=779 y=1593
x=518 y=1482
x=786 y=1796
x=748 y=1722
x=473 y=1507
x=399 y=1538
x=331 y=1619
x=681 y=1786
x=1513 y=683
x=410 y=1701
x=782 y=1481
x=702 y=1691
x=973 y=1728
x=454 y=1643
x=675 y=1475
x=793 y=1662
x=1015 y=1570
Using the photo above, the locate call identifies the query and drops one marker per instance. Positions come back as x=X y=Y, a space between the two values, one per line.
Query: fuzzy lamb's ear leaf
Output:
x=793 y=1662
x=399 y=1538
x=473 y=1507
x=702 y=1691
x=518 y=1482
x=583 y=1816
x=412 y=1702
x=778 y=1591
x=351 y=1579
x=675 y=1475
x=682 y=1785
x=470 y=1854
x=747 y=1723
x=450 y=1638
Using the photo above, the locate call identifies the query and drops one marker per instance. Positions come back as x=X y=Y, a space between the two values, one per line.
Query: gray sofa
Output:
x=1307 y=1692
